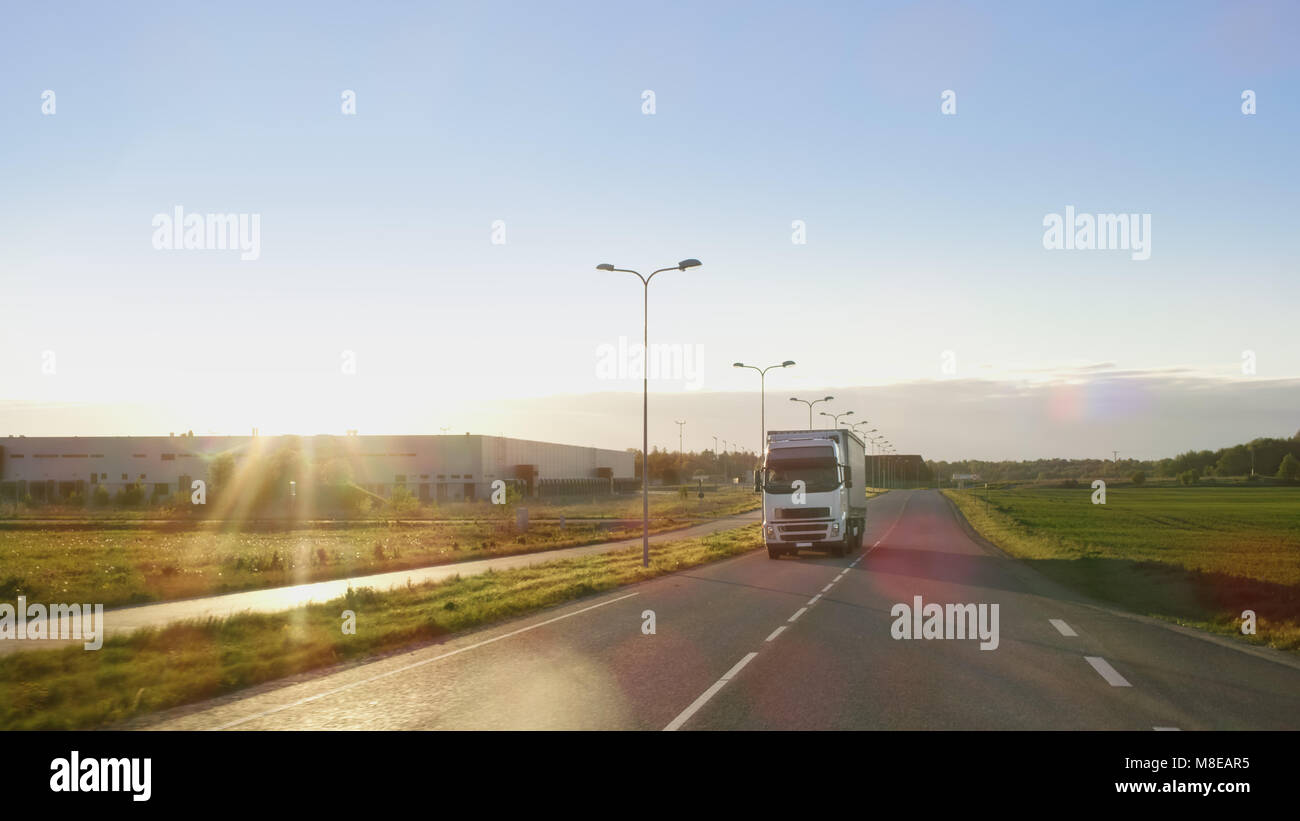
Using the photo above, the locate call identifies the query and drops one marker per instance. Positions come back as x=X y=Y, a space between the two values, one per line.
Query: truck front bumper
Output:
x=803 y=533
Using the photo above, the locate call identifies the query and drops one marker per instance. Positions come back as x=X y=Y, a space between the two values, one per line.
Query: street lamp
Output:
x=810 y=406
x=866 y=435
x=762 y=395
x=836 y=416
x=877 y=469
x=645 y=393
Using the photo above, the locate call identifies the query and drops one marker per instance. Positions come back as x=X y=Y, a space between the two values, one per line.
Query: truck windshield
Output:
x=818 y=471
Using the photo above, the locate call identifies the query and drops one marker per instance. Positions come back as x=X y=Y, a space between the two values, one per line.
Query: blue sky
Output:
x=924 y=231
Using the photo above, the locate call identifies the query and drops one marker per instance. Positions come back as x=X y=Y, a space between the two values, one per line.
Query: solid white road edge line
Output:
x=318 y=696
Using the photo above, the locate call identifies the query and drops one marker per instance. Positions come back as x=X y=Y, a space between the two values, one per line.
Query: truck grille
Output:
x=802 y=533
x=803 y=513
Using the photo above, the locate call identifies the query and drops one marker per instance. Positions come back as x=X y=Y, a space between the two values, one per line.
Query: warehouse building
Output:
x=432 y=468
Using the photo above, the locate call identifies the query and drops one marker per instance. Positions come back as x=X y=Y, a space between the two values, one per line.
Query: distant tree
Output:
x=1189 y=477
x=1139 y=478
x=401 y=503
x=1290 y=468
x=1234 y=461
x=222 y=470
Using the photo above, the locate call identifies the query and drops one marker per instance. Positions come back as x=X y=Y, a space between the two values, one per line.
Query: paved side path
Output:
x=124 y=620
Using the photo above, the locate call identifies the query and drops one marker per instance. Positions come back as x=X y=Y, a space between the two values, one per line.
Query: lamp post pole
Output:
x=645 y=393
x=762 y=397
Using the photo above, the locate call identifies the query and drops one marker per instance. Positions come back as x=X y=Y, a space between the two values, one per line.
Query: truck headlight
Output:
x=835 y=528
x=771 y=531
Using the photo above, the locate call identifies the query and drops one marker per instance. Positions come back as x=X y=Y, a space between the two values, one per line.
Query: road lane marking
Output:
x=814 y=599
x=1166 y=729
x=736 y=668
x=704 y=697
x=778 y=631
x=475 y=646
x=828 y=587
x=1063 y=628
x=906 y=499
x=1103 y=668
x=798 y=613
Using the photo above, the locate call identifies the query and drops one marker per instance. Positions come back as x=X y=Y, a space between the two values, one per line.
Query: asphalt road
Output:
x=801 y=643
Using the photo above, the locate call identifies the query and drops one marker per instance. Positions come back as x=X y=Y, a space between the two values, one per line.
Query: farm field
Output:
x=119 y=562
x=1196 y=555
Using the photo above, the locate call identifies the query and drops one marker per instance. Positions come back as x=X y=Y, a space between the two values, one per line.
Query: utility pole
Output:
x=681 y=426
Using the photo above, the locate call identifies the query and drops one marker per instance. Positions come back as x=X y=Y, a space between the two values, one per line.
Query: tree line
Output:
x=1264 y=456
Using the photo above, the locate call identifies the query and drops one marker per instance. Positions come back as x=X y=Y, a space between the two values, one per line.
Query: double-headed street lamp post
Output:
x=836 y=416
x=810 y=404
x=645 y=394
x=762 y=396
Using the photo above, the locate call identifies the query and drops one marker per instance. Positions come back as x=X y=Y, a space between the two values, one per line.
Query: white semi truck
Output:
x=814 y=491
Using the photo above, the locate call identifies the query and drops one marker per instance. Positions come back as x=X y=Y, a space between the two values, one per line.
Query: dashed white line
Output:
x=1063 y=628
x=704 y=697
x=707 y=694
x=1166 y=729
x=475 y=646
x=1103 y=668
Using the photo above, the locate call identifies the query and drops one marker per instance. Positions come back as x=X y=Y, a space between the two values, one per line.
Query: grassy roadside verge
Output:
x=1159 y=579
x=122 y=566
x=151 y=669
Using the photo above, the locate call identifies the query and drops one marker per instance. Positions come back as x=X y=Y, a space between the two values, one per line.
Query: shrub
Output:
x=1289 y=469
x=1189 y=477
x=129 y=496
x=1139 y=478
x=402 y=503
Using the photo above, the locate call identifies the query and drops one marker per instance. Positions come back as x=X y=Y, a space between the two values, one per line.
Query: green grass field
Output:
x=155 y=669
x=1195 y=555
x=129 y=563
